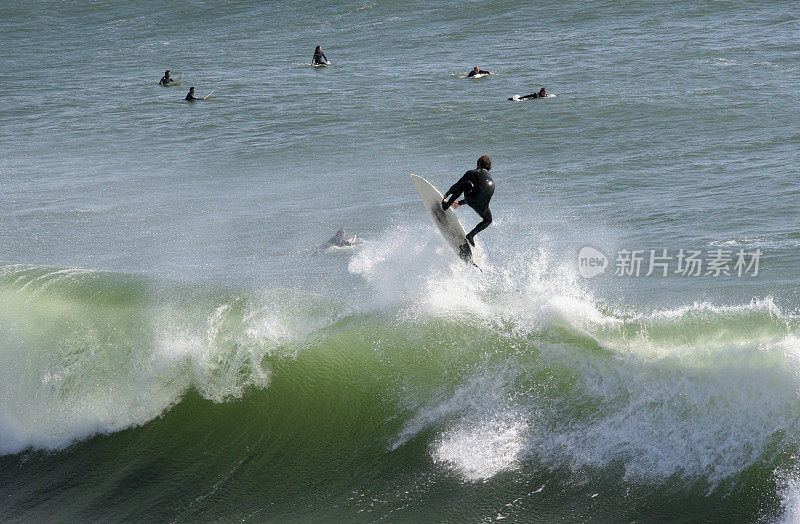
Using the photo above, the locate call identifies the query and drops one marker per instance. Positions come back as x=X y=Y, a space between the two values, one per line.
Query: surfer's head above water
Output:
x=485 y=162
x=477 y=71
x=319 y=56
x=340 y=240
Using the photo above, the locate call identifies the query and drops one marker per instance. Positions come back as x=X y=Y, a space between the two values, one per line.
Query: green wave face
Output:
x=280 y=393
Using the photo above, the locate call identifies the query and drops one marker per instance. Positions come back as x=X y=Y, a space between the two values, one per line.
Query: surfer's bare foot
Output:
x=471 y=240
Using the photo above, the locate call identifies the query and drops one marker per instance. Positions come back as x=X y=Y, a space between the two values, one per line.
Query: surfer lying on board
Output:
x=541 y=94
x=340 y=240
x=478 y=71
x=319 y=57
x=167 y=78
x=478 y=188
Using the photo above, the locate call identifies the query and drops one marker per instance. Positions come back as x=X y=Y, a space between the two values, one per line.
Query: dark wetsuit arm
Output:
x=323 y=56
x=455 y=191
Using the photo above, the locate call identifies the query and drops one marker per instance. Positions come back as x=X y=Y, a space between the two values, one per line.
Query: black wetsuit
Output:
x=190 y=97
x=338 y=241
x=480 y=72
x=478 y=188
x=166 y=80
x=319 y=58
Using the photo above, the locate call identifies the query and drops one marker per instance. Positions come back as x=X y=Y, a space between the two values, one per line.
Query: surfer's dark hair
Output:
x=485 y=162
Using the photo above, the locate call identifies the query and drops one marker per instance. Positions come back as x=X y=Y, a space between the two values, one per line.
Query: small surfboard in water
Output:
x=326 y=64
x=447 y=222
x=208 y=95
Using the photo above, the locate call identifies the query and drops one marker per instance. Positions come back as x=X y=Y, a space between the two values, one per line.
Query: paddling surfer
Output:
x=541 y=94
x=478 y=71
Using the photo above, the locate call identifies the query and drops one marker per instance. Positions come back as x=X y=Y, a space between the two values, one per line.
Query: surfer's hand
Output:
x=455 y=205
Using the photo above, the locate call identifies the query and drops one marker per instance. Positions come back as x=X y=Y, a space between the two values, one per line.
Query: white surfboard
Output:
x=518 y=98
x=447 y=222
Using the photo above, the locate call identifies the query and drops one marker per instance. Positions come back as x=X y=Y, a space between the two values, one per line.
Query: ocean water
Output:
x=174 y=347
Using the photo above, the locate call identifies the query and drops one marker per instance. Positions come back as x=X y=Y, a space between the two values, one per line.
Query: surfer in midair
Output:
x=319 y=57
x=478 y=188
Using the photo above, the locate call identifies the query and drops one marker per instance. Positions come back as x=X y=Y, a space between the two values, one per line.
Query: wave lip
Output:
x=522 y=368
x=89 y=352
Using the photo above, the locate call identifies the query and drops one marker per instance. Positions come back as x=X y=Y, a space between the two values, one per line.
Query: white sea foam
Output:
x=789 y=491
x=481 y=450
x=708 y=416
x=675 y=391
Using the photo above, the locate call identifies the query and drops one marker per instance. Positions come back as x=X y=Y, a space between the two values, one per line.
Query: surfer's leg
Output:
x=486 y=215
